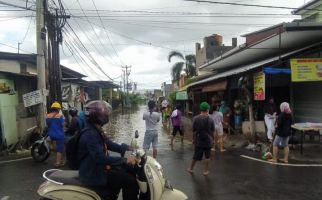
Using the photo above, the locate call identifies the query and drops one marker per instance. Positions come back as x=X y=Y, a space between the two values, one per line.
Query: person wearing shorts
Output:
x=218 y=119
x=151 y=119
x=176 y=123
x=203 y=135
x=55 y=122
x=284 y=122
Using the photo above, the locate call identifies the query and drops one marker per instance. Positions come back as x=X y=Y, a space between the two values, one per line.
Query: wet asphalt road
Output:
x=231 y=177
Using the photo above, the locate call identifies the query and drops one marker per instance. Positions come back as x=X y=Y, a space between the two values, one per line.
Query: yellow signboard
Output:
x=259 y=86
x=306 y=69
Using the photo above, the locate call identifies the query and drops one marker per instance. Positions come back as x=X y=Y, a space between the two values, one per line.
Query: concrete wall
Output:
x=9 y=66
x=14 y=67
x=212 y=48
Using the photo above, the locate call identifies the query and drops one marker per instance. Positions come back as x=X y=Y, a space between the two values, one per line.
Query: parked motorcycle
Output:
x=40 y=150
x=65 y=184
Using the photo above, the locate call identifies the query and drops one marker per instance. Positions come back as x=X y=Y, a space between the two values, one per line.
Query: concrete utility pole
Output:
x=41 y=75
x=127 y=74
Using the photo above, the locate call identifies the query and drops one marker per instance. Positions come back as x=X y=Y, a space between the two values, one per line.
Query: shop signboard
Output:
x=32 y=98
x=182 y=95
x=306 y=69
x=259 y=86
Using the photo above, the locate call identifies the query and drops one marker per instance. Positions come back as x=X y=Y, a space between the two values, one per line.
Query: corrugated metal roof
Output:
x=306 y=6
x=246 y=68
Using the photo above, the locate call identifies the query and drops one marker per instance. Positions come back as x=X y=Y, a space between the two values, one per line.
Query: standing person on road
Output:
x=203 y=136
x=176 y=123
x=55 y=123
x=218 y=119
x=284 y=122
x=152 y=119
x=270 y=117
x=165 y=116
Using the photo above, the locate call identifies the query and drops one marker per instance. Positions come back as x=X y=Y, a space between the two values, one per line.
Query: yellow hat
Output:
x=56 y=105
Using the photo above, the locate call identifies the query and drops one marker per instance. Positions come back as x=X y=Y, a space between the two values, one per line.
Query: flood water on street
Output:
x=122 y=126
x=231 y=177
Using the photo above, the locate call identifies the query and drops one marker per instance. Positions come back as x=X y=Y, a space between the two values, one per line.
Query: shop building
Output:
x=268 y=52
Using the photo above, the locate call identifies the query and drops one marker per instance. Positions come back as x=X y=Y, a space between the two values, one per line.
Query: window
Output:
x=23 y=68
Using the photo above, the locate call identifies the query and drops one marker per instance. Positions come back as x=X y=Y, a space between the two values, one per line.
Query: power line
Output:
x=23 y=40
x=107 y=34
x=76 y=51
x=184 y=13
x=138 y=40
x=16 y=6
x=185 y=16
x=16 y=48
x=88 y=53
x=98 y=38
x=247 y=5
x=151 y=24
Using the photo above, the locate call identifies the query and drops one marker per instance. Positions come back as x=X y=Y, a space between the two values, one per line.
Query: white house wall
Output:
x=9 y=66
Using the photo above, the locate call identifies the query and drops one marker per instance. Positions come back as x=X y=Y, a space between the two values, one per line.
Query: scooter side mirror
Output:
x=136 y=134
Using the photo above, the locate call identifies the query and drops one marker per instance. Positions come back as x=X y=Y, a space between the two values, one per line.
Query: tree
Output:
x=188 y=61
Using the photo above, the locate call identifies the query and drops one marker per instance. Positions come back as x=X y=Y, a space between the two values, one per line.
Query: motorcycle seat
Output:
x=66 y=177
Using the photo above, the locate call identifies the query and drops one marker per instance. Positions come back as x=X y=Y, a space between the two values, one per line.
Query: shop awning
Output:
x=297 y=35
x=246 y=68
x=216 y=87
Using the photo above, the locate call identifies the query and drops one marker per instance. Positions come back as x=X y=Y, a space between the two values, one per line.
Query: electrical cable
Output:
x=107 y=34
x=89 y=54
x=16 y=6
x=23 y=40
x=97 y=37
x=16 y=48
x=249 y=5
x=76 y=52
x=137 y=40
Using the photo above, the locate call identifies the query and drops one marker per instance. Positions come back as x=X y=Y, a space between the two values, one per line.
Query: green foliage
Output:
x=189 y=81
x=172 y=97
x=134 y=99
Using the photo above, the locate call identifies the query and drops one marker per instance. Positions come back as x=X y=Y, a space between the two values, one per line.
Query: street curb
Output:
x=281 y=164
x=14 y=156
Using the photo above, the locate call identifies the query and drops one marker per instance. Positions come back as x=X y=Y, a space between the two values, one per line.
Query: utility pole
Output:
x=127 y=73
x=41 y=75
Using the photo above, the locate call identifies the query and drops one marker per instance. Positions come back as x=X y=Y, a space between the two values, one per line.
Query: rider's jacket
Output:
x=94 y=157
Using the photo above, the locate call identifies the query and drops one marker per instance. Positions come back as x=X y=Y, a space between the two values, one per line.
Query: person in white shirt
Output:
x=152 y=119
x=218 y=119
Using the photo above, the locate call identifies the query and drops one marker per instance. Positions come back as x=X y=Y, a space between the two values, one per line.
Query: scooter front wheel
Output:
x=39 y=152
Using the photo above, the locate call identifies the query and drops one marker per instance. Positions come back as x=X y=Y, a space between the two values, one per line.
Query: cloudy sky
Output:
x=138 y=33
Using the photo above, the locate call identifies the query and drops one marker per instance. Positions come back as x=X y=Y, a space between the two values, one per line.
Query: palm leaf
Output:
x=191 y=59
x=175 y=54
x=176 y=70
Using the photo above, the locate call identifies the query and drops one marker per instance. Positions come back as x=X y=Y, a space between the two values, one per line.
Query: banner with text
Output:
x=259 y=86
x=306 y=69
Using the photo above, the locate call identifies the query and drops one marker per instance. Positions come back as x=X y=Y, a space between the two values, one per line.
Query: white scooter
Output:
x=65 y=184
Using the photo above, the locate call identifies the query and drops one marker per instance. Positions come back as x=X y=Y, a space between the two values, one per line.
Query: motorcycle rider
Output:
x=98 y=170
x=55 y=123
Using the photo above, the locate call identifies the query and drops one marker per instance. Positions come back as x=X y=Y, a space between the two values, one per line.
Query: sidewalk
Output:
x=312 y=152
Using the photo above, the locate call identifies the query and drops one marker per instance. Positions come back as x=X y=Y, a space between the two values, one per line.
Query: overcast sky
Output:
x=140 y=33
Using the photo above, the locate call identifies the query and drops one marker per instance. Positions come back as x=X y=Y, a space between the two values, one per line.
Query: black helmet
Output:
x=97 y=112
x=73 y=111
